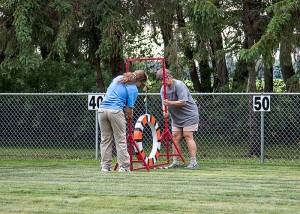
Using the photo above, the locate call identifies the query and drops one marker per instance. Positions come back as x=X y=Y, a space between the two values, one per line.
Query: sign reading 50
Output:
x=261 y=103
x=94 y=101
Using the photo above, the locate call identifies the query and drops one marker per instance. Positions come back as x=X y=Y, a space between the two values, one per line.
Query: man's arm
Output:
x=166 y=103
x=177 y=103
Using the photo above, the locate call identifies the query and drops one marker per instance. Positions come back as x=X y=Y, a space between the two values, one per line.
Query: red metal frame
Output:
x=131 y=142
x=166 y=135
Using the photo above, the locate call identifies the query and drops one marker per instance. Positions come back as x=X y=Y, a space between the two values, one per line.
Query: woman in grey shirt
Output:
x=184 y=115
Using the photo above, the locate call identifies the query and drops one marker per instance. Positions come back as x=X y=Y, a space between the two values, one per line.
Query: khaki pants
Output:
x=113 y=128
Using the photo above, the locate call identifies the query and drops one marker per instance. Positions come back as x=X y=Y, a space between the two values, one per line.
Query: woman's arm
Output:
x=129 y=112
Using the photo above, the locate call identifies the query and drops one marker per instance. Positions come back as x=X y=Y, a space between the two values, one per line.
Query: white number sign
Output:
x=261 y=103
x=94 y=101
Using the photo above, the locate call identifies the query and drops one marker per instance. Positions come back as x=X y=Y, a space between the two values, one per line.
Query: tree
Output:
x=284 y=24
x=188 y=51
x=95 y=37
x=214 y=19
x=39 y=34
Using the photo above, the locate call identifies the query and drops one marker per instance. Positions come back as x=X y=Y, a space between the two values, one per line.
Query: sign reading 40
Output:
x=261 y=103
x=94 y=101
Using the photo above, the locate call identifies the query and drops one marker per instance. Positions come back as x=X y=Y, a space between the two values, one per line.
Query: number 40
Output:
x=94 y=101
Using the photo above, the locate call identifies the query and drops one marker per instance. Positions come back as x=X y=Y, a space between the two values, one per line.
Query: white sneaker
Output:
x=105 y=170
x=173 y=165
x=192 y=165
x=123 y=169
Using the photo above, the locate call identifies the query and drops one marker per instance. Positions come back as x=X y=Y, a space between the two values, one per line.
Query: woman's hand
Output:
x=129 y=112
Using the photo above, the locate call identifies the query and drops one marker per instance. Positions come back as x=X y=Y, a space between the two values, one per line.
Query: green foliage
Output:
x=36 y=36
x=205 y=15
x=278 y=86
x=65 y=29
x=61 y=6
x=66 y=77
x=114 y=25
x=23 y=20
x=205 y=12
x=189 y=84
x=18 y=46
x=153 y=86
x=284 y=12
x=51 y=76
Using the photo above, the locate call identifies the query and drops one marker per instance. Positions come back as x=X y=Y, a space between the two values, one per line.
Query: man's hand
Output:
x=167 y=102
x=165 y=114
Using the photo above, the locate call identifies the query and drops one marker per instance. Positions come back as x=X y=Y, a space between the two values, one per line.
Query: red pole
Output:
x=144 y=59
x=130 y=143
x=165 y=108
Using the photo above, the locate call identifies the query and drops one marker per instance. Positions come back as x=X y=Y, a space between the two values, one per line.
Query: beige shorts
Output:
x=191 y=128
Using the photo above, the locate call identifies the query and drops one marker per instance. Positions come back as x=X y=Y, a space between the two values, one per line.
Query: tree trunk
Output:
x=95 y=60
x=286 y=65
x=99 y=76
x=251 y=14
x=220 y=68
x=205 y=71
x=167 y=33
x=188 y=52
x=268 y=76
x=252 y=77
x=117 y=65
x=2 y=57
x=251 y=65
x=239 y=82
x=221 y=80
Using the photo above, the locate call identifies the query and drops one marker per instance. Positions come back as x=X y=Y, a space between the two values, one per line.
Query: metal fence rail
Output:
x=61 y=126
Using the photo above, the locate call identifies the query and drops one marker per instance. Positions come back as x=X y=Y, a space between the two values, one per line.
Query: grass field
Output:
x=77 y=186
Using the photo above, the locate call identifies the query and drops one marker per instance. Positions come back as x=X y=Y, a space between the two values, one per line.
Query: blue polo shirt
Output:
x=119 y=95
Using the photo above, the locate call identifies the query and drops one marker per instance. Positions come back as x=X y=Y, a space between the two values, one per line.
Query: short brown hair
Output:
x=159 y=74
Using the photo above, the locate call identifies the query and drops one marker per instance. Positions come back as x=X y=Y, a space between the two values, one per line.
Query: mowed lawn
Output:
x=77 y=186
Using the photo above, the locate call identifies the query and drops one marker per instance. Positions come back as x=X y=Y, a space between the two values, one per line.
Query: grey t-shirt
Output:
x=181 y=116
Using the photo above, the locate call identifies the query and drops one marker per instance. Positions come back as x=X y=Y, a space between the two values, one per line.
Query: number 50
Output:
x=261 y=103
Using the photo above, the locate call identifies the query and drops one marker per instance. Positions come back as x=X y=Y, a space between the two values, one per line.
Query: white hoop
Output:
x=138 y=136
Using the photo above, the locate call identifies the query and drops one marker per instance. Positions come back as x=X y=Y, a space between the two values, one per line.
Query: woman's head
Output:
x=138 y=77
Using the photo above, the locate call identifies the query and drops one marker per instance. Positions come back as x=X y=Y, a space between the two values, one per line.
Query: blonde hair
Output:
x=138 y=75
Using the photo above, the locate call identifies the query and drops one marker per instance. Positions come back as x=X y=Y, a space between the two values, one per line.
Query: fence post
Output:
x=262 y=139
x=96 y=133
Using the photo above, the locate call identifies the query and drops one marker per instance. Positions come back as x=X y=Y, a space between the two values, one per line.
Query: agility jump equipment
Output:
x=140 y=124
x=136 y=141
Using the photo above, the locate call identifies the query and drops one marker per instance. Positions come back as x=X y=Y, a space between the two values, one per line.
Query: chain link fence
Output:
x=61 y=126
